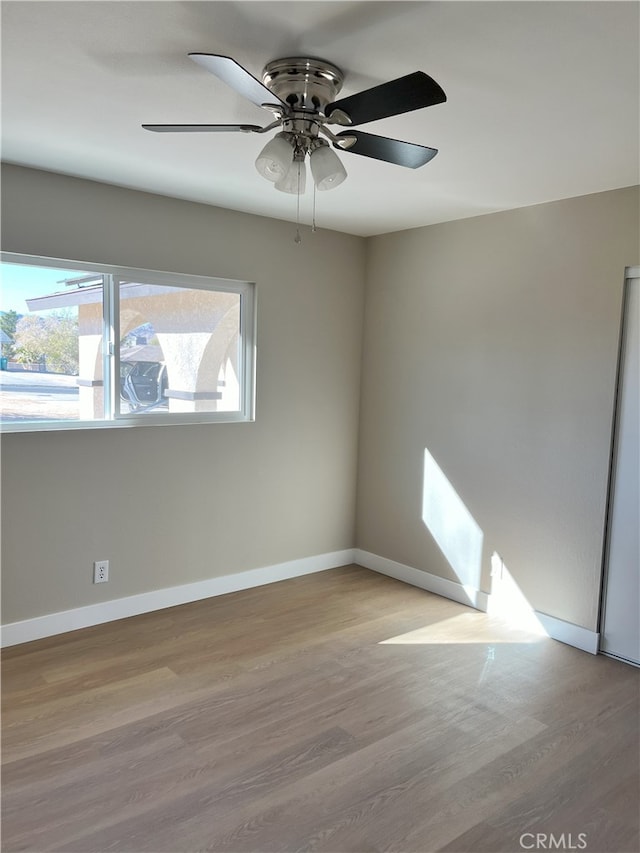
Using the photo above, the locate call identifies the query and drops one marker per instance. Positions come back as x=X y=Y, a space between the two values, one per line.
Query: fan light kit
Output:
x=300 y=94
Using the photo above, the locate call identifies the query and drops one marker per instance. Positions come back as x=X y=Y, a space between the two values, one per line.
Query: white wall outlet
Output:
x=101 y=571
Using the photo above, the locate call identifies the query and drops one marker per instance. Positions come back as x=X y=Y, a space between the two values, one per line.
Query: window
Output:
x=99 y=346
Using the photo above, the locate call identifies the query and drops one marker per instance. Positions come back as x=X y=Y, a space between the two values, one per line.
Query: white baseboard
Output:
x=572 y=635
x=432 y=583
x=557 y=629
x=158 y=599
x=133 y=605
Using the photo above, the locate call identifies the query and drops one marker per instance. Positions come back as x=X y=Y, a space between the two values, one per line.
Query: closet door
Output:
x=620 y=634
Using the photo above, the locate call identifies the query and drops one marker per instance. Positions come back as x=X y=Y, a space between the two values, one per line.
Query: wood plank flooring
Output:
x=339 y=712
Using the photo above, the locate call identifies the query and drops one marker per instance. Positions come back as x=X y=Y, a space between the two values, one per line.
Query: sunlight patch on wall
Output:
x=451 y=524
x=507 y=600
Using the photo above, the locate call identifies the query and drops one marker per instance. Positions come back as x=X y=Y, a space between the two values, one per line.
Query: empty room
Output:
x=319 y=371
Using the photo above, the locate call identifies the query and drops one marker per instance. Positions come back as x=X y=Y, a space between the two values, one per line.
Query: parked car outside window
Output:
x=143 y=384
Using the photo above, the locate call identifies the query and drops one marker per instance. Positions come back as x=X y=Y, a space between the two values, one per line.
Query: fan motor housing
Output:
x=303 y=83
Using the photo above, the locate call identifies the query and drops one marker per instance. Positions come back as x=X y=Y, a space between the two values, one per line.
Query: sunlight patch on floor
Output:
x=472 y=627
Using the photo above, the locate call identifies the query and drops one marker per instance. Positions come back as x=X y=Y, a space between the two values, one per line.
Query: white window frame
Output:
x=113 y=277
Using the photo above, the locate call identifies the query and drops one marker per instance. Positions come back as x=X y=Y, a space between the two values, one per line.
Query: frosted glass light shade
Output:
x=289 y=183
x=326 y=168
x=275 y=159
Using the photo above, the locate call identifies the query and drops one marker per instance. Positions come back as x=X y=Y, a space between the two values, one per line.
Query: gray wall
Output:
x=492 y=342
x=171 y=505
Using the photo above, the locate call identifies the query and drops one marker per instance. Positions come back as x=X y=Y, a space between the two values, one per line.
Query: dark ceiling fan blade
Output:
x=403 y=95
x=234 y=75
x=201 y=128
x=390 y=150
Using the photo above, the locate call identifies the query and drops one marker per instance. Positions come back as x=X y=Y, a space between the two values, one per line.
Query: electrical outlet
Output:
x=101 y=571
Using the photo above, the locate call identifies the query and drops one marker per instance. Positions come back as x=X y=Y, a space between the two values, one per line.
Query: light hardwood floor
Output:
x=342 y=711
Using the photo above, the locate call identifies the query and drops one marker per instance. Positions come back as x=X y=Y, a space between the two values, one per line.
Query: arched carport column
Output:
x=229 y=377
x=197 y=366
x=183 y=352
x=195 y=334
x=220 y=362
x=90 y=371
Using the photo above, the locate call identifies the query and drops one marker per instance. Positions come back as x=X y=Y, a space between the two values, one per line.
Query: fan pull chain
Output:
x=298 y=238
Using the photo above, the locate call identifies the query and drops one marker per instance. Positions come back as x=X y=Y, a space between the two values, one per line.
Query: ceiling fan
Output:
x=300 y=94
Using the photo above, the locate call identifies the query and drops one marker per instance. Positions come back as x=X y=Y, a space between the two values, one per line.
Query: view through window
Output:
x=84 y=347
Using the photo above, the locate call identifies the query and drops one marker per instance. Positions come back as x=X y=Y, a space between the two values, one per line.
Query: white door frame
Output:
x=631 y=274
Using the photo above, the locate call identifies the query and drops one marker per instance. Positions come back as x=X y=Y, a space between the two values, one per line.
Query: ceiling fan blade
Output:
x=201 y=128
x=234 y=75
x=390 y=150
x=403 y=95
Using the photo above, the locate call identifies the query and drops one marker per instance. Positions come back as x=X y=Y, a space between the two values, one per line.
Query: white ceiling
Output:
x=543 y=99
